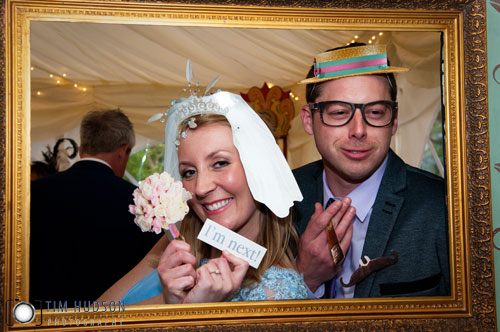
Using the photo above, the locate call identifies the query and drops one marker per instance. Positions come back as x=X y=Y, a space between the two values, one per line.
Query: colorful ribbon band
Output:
x=357 y=65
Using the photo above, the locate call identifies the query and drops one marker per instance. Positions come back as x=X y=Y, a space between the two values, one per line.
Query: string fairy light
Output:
x=371 y=40
x=61 y=80
x=294 y=97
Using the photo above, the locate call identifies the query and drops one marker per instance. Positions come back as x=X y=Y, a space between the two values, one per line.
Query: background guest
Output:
x=54 y=160
x=82 y=236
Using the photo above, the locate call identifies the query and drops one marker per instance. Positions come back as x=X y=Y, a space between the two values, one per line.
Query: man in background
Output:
x=400 y=211
x=83 y=239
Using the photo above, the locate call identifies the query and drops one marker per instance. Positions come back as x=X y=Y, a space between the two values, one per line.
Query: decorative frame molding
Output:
x=463 y=23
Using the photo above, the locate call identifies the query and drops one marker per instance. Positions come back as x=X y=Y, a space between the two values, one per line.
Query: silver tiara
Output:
x=194 y=106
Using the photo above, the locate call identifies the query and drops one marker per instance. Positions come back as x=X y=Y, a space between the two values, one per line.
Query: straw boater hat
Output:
x=351 y=61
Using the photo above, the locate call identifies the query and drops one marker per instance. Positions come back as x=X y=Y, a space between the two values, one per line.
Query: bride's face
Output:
x=211 y=169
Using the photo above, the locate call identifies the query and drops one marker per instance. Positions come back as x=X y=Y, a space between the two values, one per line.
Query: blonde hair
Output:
x=275 y=233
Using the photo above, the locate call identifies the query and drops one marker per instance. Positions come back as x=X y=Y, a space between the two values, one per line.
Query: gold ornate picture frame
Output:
x=471 y=305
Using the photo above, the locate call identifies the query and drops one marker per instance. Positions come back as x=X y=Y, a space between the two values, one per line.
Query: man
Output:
x=83 y=239
x=397 y=211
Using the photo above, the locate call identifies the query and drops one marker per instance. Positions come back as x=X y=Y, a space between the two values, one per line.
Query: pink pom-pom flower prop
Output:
x=160 y=202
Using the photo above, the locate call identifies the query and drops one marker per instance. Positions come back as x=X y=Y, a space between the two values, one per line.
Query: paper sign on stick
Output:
x=223 y=238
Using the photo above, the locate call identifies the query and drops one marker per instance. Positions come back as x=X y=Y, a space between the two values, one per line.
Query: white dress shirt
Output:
x=363 y=198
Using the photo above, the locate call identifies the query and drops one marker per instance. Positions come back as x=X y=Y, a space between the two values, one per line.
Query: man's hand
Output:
x=314 y=259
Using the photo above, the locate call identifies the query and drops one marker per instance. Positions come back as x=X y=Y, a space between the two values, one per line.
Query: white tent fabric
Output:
x=141 y=69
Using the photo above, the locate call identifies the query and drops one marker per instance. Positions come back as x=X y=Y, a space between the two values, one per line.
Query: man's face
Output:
x=352 y=152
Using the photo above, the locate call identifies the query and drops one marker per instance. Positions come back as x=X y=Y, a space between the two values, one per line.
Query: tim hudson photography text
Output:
x=82 y=306
x=85 y=306
x=81 y=322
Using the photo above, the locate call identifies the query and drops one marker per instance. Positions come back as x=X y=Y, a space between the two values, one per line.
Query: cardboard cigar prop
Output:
x=334 y=245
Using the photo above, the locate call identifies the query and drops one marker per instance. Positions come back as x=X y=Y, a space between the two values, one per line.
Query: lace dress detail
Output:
x=275 y=284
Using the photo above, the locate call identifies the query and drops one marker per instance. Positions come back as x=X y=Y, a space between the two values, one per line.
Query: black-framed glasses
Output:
x=336 y=113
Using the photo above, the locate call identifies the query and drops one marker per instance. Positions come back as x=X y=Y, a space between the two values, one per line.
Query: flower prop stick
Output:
x=160 y=202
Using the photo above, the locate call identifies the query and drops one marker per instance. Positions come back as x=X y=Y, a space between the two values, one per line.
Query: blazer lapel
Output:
x=311 y=186
x=317 y=185
x=384 y=215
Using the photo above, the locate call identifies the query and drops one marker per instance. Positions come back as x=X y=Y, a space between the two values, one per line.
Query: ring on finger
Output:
x=215 y=272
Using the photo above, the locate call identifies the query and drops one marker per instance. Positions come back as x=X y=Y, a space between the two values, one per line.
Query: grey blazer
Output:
x=409 y=215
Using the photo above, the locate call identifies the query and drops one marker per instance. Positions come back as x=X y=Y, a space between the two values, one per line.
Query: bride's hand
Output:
x=176 y=271
x=216 y=281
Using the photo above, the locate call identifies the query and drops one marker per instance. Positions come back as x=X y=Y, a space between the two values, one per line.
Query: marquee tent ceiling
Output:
x=141 y=69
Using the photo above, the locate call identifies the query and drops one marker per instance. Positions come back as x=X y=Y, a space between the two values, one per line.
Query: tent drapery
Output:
x=141 y=69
